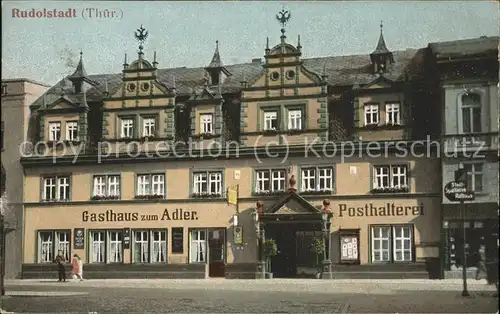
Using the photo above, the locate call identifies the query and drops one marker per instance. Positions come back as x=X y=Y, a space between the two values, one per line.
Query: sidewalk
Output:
x=383 y=286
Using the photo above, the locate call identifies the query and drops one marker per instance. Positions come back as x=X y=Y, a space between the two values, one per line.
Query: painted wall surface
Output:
x=15 y=115
x=423 y=213
x=201 y=215
x=351 y=178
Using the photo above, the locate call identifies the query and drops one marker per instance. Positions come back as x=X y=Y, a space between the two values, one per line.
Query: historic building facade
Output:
x=467 y=78
x=136 y=172
x=17 y=95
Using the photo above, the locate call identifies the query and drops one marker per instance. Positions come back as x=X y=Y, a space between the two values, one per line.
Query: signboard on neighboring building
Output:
x=456 y=191
x=238 y=235
x=79 y=239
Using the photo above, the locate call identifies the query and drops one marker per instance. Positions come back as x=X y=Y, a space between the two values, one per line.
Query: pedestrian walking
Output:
x=60 y=259
x=481 y=263
x=77 y=271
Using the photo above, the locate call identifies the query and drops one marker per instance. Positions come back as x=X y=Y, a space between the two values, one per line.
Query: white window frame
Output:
x=198 y=247
x=475 y=172
x=325 y=179
x=372 y=113
x=206 y=123
x=58 y=240
x=208 y=182
x=45 y=247
x=399 y=247
x=470 y=112
x=54 y=131
x=262 y=179
x=391 y=173
x=158 y=184
x=99 y=186
x=140 y=246
x=143 y=184
x=404 y=241
x=72 y=130
x=159 y=256
x=106 y=185
x=295 y=119
x=278 y=177
x=269 y=117
x=309 y=179
x=127 y=128
x=148 y=126
x=60 y=188
x=97 y=247
x=392 y=113
x=113 y=185
x=114 y=242
x=151 y=184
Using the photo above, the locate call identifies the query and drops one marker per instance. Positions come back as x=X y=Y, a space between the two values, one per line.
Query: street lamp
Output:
x=461 y=176
x=261 y=269
x=327 y=263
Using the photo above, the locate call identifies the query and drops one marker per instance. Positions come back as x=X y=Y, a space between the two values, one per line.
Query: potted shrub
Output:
x=318 y=249
x=270 y=250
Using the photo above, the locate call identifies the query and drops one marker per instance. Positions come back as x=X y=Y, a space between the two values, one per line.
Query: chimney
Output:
x=257 y=60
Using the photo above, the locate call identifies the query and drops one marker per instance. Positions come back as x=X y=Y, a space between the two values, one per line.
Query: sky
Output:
x=184 y=33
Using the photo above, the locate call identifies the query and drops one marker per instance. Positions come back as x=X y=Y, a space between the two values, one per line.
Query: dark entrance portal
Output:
x=293 y=240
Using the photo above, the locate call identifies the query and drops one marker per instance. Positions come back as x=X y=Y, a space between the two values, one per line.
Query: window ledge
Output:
x=206 y=195
x=205 y=136
x=56 y=201
x=268 y=193
x=149 y=197
x=390 y=190
x=317 y=192
x=104 y=198
x=62 y=143
x=270 y=132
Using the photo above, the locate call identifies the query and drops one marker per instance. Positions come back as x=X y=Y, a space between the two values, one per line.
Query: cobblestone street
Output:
x=234 y=296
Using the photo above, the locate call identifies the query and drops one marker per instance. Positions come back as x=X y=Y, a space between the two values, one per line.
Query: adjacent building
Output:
x=17 y=95
x=467 y=80
x=135 y=171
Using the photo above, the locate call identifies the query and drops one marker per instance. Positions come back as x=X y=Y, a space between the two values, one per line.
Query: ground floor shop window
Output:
x=149 y=246
x=392 y=243
x=106 y=246
x=50 y=242
x=207 y=245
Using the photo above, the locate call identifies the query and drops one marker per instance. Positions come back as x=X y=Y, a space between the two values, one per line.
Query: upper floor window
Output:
x=270 y=120
x=474 y=176
x=207 y=183
x=151 y=185
x=72 y=131
x=127 y=128
x=206 y=123
x=295 y=119
x=392 y=114
x=317 y=179
x=391 y=178
x=371 y=114
x=56 y=188
x=106 y=186
x=148 y=127
x=471 y=113
x=272 y=180
x=54 y=131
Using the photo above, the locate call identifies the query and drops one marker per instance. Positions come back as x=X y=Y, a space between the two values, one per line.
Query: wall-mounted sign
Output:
x=457 y=192
x=126 y=238
x=349 y=246
x=390 y=209
x=112 y=216
x=238 y=235
x=79 y=238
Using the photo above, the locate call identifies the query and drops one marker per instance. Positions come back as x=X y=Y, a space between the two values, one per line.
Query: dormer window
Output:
x=72 y=131
x=54 y=131
x=392 y=114
x=206 y=123
x=371 y=114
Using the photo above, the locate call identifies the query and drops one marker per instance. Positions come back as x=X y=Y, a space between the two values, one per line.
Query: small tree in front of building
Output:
x=318 y=249
x=270 y=250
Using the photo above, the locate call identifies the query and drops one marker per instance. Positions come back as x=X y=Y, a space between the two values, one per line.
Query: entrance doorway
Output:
x=294 y=258
x=216 y=256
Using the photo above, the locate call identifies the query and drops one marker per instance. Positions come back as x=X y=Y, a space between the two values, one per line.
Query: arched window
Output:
x=471 y=113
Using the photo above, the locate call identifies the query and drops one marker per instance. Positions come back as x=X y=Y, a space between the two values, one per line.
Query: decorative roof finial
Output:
x=381 y=26
x=283 y=17
x=141 y=34
x=155 y=63
x=298 y=43
x=125 y=63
